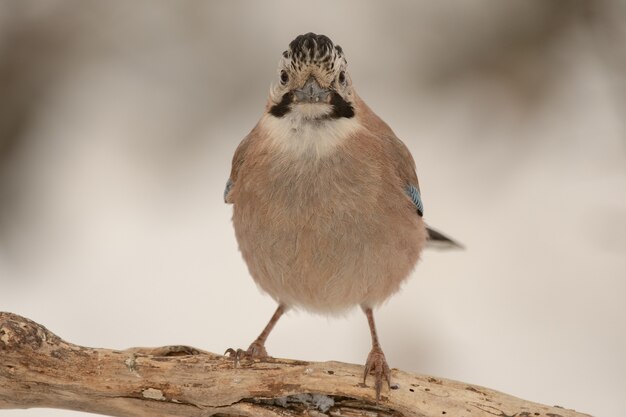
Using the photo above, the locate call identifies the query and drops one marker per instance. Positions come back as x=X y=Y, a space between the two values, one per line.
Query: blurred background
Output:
x=118 y=121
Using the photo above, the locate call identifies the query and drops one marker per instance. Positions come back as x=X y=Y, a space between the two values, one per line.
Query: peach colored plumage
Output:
x=327 y=210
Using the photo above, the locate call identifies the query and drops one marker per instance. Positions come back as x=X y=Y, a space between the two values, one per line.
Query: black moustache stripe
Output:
x=341 y=108
x=282 y=108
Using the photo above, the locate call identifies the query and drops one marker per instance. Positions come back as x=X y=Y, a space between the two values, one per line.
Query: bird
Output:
x=327 y=208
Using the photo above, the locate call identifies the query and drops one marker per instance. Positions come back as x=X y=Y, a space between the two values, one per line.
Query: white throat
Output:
x=301 y=132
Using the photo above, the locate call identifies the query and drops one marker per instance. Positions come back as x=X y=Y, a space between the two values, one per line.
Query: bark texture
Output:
x=39 y=369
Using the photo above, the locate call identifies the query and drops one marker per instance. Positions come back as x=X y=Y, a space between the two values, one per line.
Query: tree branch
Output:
x=39 y=369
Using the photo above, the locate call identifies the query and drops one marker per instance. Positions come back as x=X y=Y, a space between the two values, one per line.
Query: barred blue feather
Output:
x=414 y=194
x=229 y=185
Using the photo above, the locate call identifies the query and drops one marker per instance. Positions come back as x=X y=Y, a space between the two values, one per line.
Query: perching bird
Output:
x=327 y=206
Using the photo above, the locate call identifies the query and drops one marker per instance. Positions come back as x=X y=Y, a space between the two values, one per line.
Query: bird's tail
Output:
x=437 y=240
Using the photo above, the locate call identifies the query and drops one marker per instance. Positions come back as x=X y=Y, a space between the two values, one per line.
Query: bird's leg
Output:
x=257 y=348
x=376 y=362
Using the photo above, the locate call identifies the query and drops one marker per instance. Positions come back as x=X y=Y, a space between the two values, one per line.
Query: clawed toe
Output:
x=255 y=351
x=236 y=355
x=377 y=365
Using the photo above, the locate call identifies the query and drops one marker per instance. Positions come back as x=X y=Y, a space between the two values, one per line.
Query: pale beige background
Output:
x=118 y=121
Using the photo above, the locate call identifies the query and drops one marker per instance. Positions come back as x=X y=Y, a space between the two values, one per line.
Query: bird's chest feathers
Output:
x=297 y=135
x=315 y=171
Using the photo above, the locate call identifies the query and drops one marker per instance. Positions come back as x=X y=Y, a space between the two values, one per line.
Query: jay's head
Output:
x=312 y=81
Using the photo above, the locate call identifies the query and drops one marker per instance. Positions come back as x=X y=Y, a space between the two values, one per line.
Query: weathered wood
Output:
x=39 y=369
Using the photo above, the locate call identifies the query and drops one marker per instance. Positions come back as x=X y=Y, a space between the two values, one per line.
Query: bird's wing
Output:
x=405 y=169
x=229 y=186
x=399 y=154
x=414 y=194
x=238 y=159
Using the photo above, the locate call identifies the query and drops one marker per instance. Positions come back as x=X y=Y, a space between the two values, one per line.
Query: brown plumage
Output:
x=327 y=233
x=319 y=187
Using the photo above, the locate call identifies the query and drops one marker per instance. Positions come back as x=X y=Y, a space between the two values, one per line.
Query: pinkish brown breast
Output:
x=326 y=233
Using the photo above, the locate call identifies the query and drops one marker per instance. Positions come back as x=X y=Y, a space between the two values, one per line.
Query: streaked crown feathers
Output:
x=314 y=49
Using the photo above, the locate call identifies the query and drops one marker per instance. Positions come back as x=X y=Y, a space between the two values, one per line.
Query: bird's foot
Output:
x=255 y=351
x=377 y=365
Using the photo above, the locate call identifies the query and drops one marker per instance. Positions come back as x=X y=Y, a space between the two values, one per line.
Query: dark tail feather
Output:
x=438 y=240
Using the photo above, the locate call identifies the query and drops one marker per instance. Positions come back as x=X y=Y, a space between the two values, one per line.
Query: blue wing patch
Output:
x=414 y=195
x=229 y=185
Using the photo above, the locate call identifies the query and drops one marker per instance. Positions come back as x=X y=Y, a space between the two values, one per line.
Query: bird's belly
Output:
x=326 y=251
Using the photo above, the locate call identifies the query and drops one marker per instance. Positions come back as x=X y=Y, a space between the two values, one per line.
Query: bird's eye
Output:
x=284 y=77
x=342 y=77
